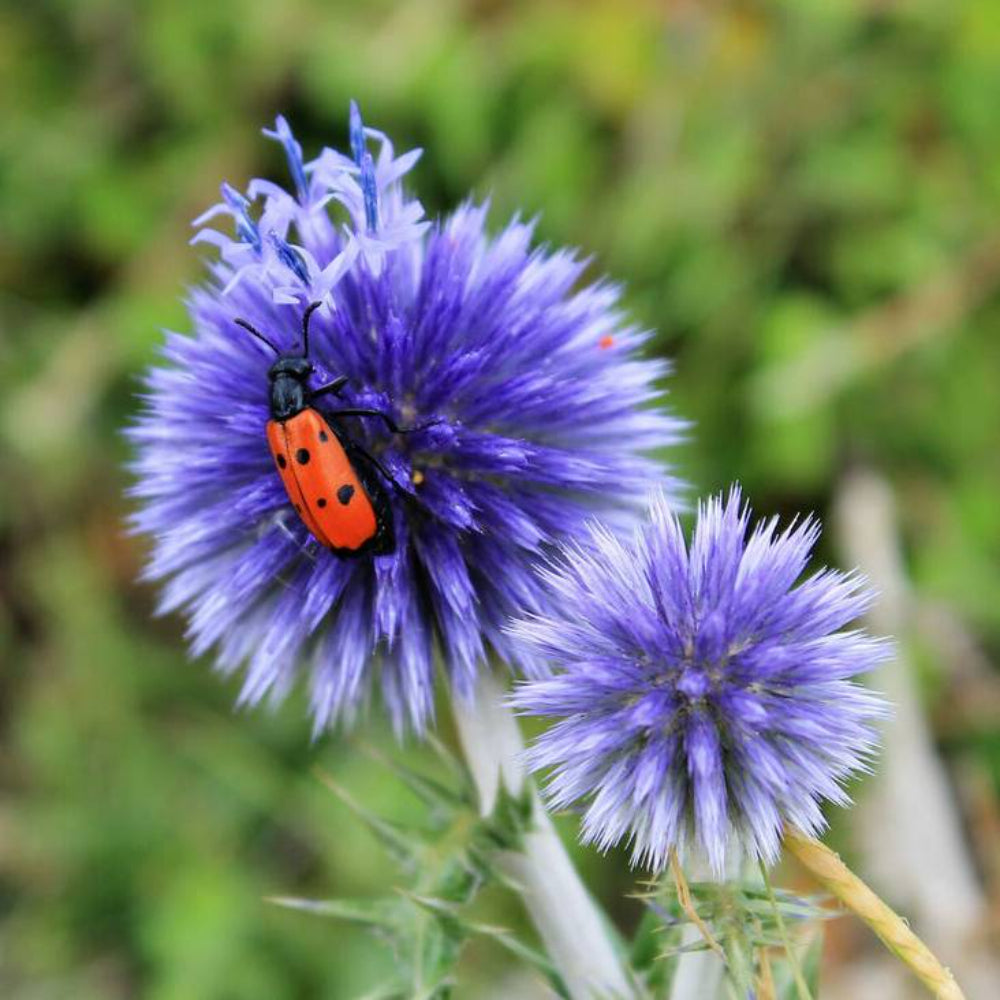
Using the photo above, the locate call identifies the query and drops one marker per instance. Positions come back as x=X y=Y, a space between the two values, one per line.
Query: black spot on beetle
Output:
x=321 y=502
x=345 y=493
x=324 y=437
x=302 y=456
x=280 y=459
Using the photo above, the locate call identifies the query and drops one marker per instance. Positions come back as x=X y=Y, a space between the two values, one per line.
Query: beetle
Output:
x=334 y=484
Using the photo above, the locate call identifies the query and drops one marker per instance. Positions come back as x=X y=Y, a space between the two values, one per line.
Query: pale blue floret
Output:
x=288 y=256
x=357 y=133
x=369 y=187
x=235 y=204
x=382 y=218
x=370 y=193
x=293 y=153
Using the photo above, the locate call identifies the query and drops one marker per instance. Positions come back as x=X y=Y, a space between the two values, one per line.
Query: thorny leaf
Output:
x=447 y=861
x=742 y=918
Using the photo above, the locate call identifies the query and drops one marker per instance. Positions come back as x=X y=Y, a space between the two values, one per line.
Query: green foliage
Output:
x=801 y=198
x=753 y=927
x=448 y=860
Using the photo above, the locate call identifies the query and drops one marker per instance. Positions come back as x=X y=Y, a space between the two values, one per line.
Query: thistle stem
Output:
x=699 y=975
x=800 y=981
x=687 y=905
x=568 y=920
x=826 y=866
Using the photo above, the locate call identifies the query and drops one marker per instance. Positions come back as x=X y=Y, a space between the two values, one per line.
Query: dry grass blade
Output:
x=835 y=876
x=765 y=981
x=687 y=905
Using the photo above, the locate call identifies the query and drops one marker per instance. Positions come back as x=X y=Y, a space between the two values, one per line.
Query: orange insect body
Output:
x=336 y=487
x=321 y=482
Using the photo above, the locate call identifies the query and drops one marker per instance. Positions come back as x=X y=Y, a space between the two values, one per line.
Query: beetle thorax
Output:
x=288 y=377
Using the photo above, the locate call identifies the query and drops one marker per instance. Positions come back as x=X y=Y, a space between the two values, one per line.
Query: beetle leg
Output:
x=382 y=415
x=335 y=386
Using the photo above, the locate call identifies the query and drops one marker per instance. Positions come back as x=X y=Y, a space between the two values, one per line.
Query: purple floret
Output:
x=704 y=700
x=533 y=381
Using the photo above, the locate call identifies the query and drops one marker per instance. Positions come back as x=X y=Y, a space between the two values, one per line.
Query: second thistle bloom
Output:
x=703 y=699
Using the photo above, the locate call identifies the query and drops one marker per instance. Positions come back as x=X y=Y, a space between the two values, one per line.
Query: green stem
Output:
x=699 y=975
x=800 y=982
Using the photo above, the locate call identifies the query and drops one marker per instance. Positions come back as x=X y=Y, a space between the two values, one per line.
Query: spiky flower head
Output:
x=704 y=700
x=526 y=383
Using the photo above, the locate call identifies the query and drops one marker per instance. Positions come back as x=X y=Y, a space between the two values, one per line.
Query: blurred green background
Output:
x=802 y=199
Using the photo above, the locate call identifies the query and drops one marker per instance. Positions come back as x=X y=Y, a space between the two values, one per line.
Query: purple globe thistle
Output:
x=526 y=386
x=704 y=700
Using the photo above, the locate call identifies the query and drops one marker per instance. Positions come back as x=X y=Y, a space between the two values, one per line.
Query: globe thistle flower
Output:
x=703 y=699
x=525 y=388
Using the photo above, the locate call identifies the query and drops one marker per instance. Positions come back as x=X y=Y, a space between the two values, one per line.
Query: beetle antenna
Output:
x=255 y=332
x=306 y=316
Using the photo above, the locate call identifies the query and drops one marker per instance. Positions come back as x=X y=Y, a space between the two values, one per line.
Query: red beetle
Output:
x=335 y=485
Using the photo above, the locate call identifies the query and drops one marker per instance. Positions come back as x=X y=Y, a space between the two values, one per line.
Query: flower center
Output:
x=693 y=682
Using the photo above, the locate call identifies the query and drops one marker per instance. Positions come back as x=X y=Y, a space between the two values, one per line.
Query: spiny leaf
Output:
x=743 y=917
x=449 y=864
x=430 y=791
x=808 y=967
x=403 y=845
x=460 y=879
x=685 y=949
x=512 y=817
x=801 y=985
x=812 y=962
x=645 y=942
x=481 y=858
x=442 y=934
x=736 y=942
x=448 y=914
x=713 y=901
x=456 y=768
x=385 y=993
x=528 y=955
x=647 y=949
x=369 y=913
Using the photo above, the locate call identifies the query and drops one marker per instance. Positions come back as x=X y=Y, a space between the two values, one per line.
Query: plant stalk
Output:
x=699 y=975
x=567 y=918
x=825 y=865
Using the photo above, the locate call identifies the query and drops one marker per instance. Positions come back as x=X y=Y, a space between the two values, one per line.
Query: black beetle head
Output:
x=296 y=366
